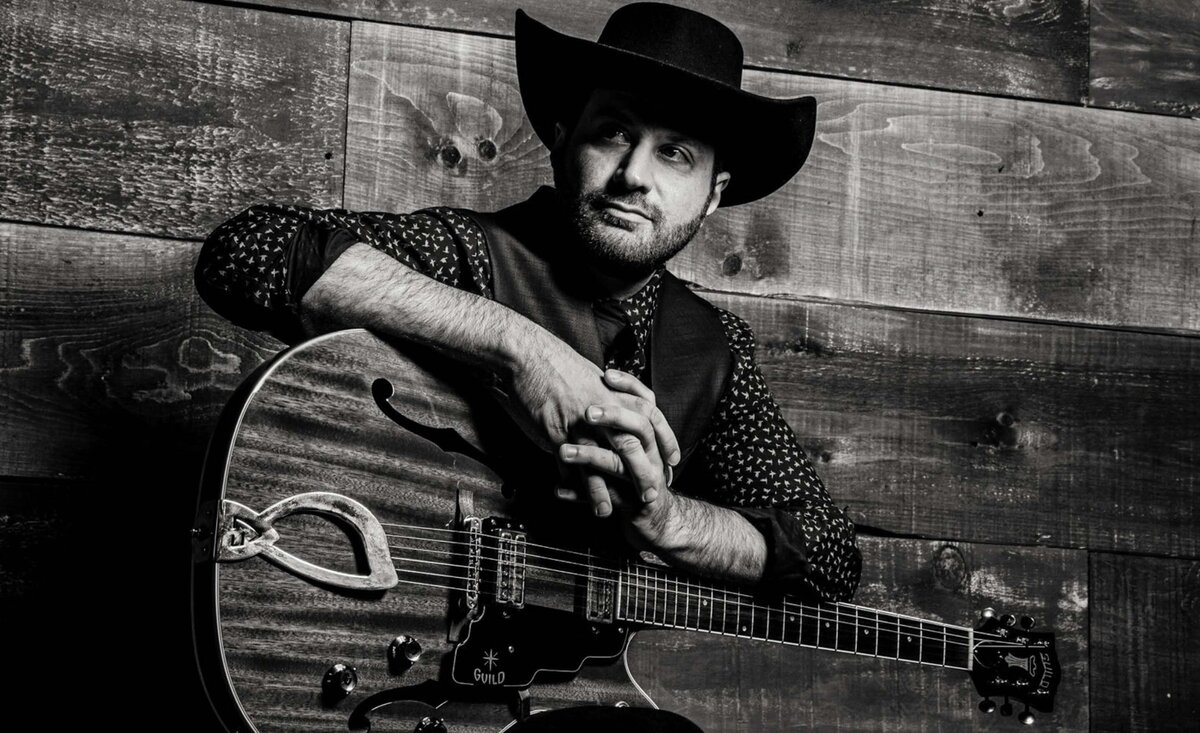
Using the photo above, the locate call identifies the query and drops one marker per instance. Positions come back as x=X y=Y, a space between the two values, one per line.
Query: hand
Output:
x=552 y=386
x=629 y=471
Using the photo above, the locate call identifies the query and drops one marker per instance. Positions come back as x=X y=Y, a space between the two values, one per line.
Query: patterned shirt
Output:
x=255 y=268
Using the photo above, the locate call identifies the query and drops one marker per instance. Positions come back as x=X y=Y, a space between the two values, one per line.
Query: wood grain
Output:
x=727 y=685
x=1036 y=50
x=911 y=198
x=165 y=117
x=1144 y=55
x=108 y=354
x=991 y=430
x=1144 y=643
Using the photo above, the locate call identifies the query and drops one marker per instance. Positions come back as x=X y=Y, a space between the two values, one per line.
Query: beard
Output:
x=613 y=245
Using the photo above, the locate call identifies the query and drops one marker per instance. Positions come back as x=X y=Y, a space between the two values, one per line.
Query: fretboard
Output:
x=652 y=597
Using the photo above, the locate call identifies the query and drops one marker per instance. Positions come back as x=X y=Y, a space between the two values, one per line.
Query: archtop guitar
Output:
x=372 y=552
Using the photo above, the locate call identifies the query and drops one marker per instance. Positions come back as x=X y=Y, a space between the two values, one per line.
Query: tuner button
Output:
x=987 y=706
x=430 y=725
x=1026 y=718
x=403 y=652
x=338 y=682
x=1027 y=622
x=1006 y=709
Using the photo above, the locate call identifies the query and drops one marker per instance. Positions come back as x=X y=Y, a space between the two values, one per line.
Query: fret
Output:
x=888 y=641
x=958 y=654
x=933 y=643
x=909 y=640
x=675 y=605
x=687 y=605
x=847 y=622
x=811 y=626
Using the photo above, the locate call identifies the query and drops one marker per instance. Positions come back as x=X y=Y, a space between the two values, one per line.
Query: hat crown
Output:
x=677 y=37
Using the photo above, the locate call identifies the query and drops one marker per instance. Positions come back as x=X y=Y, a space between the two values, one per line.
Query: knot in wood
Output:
x=950 y=569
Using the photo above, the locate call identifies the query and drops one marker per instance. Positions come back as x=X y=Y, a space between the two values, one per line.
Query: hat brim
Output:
x=762 y=141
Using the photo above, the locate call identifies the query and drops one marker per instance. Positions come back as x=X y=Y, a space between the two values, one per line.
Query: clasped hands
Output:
x=613 y=444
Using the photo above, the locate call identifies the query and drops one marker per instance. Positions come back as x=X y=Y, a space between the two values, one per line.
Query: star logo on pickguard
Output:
x=490 y=658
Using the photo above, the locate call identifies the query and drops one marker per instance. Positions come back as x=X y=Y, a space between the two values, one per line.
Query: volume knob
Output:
x=403 y=652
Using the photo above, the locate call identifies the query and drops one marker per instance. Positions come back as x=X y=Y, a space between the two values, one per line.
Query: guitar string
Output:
x=947 y=630
x=827 y=614
x=738 y=597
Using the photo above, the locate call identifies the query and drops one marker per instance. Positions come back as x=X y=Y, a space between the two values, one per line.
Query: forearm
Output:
x=367 y=288
x=710 y=540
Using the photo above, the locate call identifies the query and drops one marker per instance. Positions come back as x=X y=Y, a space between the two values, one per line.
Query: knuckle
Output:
x=625 y=443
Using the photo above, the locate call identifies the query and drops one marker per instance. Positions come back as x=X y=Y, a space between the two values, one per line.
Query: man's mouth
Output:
x=624 y=211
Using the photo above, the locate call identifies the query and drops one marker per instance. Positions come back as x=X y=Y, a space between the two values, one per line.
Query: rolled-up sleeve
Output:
x=754 y=465
x=255 y=268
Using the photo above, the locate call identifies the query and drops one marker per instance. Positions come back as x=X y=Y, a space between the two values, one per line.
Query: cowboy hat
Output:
x=686 y=58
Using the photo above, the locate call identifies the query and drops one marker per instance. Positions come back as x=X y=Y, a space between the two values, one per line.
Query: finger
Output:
x=644 y=471
x=593 y=457
x=636 y=422
x=645 y=403
x=583 y=454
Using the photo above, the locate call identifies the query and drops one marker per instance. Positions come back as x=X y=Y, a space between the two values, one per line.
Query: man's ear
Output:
x=719 y=184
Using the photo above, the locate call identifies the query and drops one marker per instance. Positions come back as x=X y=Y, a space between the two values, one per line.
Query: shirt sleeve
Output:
x=255 y=268
x=755 y=465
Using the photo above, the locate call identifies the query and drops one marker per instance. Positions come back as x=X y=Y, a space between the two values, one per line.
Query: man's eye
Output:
x=674 y=153
x=614 y=133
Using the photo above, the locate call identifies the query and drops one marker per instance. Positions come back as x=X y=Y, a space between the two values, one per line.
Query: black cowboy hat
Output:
x=688 y=61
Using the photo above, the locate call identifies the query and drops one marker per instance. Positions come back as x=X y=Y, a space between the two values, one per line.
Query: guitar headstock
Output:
x=1013 y=662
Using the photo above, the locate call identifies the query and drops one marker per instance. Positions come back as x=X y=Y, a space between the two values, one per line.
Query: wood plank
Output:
x=1144 y=55
x=112 y=362
x=165 y=117
x=911 y=198
x=733 y=685
x=1035 y=50
x=991 y=430
x=1144 y=645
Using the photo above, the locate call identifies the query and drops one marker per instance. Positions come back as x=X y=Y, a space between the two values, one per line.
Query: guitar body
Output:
x=311 y=423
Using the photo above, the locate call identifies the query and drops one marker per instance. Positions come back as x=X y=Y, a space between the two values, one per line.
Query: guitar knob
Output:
x=1026 y=718
x=338 y=682
x=403 y=652
x=430 y=725
x=1006 y=709
x=1027 y=622
x=987 y=706
x=1008 y=619
x=988 y=613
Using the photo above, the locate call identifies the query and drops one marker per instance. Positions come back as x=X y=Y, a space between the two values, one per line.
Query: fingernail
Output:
x=603 y=509
x=594 y=413
x=674 y=458
x=569 y=451
x=649 y=496
x=563 y=493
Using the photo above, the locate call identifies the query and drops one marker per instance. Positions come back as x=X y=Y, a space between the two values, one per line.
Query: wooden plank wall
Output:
x=977 y=304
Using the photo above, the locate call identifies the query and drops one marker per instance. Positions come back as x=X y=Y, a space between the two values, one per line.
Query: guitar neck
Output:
x=650 y=596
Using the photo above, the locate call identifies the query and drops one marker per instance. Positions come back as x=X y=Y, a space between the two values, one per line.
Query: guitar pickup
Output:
x=507 y=545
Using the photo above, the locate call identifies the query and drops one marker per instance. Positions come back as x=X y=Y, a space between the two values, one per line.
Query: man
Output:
x=647 y=395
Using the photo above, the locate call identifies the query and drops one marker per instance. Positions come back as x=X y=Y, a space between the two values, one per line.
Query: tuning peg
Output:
x=1026 y=717
x=1027 y=622
x=987 y=706
x=1006 y=709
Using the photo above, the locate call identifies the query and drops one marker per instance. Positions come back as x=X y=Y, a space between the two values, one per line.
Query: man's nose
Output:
x=635 y=171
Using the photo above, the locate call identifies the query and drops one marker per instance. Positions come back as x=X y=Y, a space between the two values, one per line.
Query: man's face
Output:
x=635 y=189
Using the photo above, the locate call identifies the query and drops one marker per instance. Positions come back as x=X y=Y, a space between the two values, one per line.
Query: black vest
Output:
x=539 y=276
